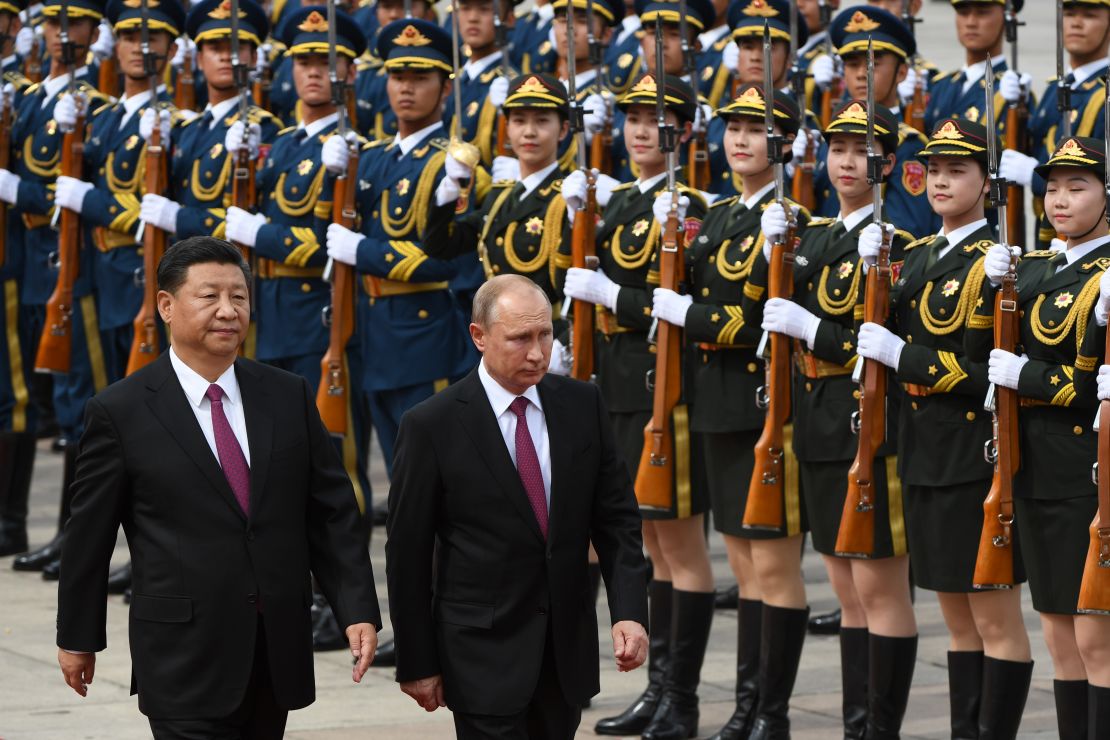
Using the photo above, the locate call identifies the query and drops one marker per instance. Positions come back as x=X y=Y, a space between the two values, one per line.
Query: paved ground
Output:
x=36 y=705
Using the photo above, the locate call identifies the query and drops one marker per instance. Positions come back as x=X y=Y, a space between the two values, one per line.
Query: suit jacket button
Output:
x=252 y=599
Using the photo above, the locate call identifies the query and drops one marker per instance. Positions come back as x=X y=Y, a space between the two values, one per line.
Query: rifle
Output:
x=1094 y=589
x=1017 y=131
x=856 y=537
x=263 y=80
x=334 y=393
x=656 y=472
x=32 y=65
x=184 y=90
x=601 y=146
x=146 y=343
x=107 y=77
x=836 y=89
x=5 y=160
x=501 y=38
x=1063 y=88
x=462 y=151
x=54 y=350
x=994 y=565
x=764 y=509
x=242 y=179
x=802 y=186
x=697 y=167
x=583 y=240
x=915 y=111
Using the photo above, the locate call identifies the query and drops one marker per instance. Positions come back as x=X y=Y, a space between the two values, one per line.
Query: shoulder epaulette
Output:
x=693 y=193
x=920 y=242
x=623 y=186
x=17 y=78
x=186 y=121
x=906 y=131
x=439 y=142
x=903 y=235
x=983 y=245
x=1099 y=263
x=822 y=221
x=1040 y=254
x=944 y=76
x=384 y=141
x=32 y=88
x=506 y=183
x=286 y=130
x=258 y=115
x=724 y=201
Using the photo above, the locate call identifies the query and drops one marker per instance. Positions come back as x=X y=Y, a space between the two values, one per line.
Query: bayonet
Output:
x=576 y=114
x=69 y=52
x=463 y=152
x=338 y=97
x=689 y=64
x=240 y=72
x=774 y=141
x=1063 y=88
x=408 y=8
x=150 y=69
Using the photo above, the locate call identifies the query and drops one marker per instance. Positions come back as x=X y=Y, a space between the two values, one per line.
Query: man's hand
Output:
x=78 y=669
x=630 y=645
x=428 y=692
x=363 y=639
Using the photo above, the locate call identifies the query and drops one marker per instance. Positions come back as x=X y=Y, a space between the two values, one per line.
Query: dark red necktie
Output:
x=232 y=460
x=528 y=464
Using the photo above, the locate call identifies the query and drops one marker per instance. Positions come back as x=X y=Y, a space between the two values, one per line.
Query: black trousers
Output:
x=258 y=717
x=549 y=715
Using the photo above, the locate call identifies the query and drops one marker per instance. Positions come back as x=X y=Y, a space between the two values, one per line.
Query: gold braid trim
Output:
x=742 y=268
x=735 y=324
x=837 y=306
x=297 y=208
x=483 y=251
x=859 y=312
x=954 y=375
x=637 y=259
x=118 y=184
x=553 y=235
x=483 y=136
x=522 y=266
x=417 y=215
x=411 y=258
x=973 y=285
x=1082 y=307
x=40 y=167
x=307 y=245
x=1086 y=364
x=753 y=291
x=126 y=220
x=980 y=321
x=1092 y=113
x=207 y=195
x=1066 y=394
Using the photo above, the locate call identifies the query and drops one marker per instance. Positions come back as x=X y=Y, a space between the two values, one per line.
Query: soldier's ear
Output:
x=687 y=132
x=891 y=160
x=903 y=71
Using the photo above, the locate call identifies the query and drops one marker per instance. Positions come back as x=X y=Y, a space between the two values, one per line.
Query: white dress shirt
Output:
x=476 y=67
x=318 y=125
x=409 y=143
x=53 y=86
x=533 y=181
x=500 y=399
x=959 y=235
x=974 y=72
x=755 y=197
x=132 y=104
x=1078 y=252
x=856 y=217
x=195 y=387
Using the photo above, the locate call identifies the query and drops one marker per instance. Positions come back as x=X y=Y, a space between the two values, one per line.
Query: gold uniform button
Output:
x=288 y=241
x=306 y=288
x=855 y=394
x=913 y=405
x=499 y=241
x=397 y=210
x=422 y=314
x=971 y=416
x=943 y=311
x=809 y=286
x=809 y=386
x=712 y=259
x=705 y=291
x=751 y=367
x=913 y=304
x=207 y=222
x=373 y=214
x=1077 y=431
x=651 y=348
x=909 y=339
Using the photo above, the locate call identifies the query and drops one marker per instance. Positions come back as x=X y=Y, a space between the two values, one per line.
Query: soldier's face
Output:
x=214 y=60
x=129 y=51
x=1075 y=201
x=746 y=145
x=672 y=48
x=82 y=32
x=810 y=11
x=979 y=25
x=581 y=45
x=516 y=347
x=641 y=136
x=956 y=186
x=208 y=315
x=534 y=134
x=390 y=10
x=1086 y=29
x=416 y=95
x=750 y=66
x=476 y=23
x=847 y=165
x=889 y=71
x=311 y=77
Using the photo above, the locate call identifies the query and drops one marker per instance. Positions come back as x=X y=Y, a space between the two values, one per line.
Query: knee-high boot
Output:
x=784 y=632
x=636 y=717
x=1005 y=689
x=854 y=665
x=888 y=683
x=749 y=621
x=676 y=717
x=965 y=690
x=1098 y=711
x=1071 y=709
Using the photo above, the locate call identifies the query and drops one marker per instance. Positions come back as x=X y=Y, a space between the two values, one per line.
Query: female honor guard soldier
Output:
x=942 y=427
x=628 y=239
x=1059 y=346
x=873 y=593
x=767 y=564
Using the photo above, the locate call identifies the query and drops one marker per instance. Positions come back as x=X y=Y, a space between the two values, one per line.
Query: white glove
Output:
x=1017 y=167
x=70 y=193
x=666 y=305
x=558 y=365
x=880 y=344
x=787 y=317
x=661 y=208
x=603 y=187
x=730 y=57
x=591 y=286
x=801 y=143
x=7 y=95
x=334 y=154
x=574 y=192
x=504 y=168
x=262 y=58
x=450 y=188
x=9 y=187
x=159 y=211
x=1011 y=85
x=593 y=119
x=456 y=170
x=24 y=40
x=243 y=226
x=870 y=240
x=105 y=42
x=184 y=45
x=908 y=86
x=702 y=114
x=498 y=91
x=1004 y=368
x=1102 y=307
x=1104 y=383
x=823 y=70
x=146 y=123
x=65 y=112
x=997 y=262
x=343 y=244
x=773 y=225
x=234 y=140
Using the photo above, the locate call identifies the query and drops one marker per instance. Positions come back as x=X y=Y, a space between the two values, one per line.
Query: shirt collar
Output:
x=134 y=102
x=856 y=217
x=311 y=129
x=196 y=386
x=546 y=12
x=975 y=71
x=646 y=186
x=581 y=80
x=958 y=236
x=54 y=85
x=9 y=60
x=758 y=195
x=712 y=36
x=409 y=143
x=1076 y=253
x=221 y=109
x=533 y=181
x=500 y=398
x=1087 y=71
x=475 y=67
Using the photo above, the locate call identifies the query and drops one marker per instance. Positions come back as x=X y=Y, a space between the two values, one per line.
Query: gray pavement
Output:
x=36 y=705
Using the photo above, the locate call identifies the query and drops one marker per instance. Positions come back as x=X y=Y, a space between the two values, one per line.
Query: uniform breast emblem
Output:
x=534 y=226
x=304 y=167
x=403 y=186
x=707 y=73
x=950 y=288
x=844 y=269
x=640 y=227
x=215 y=151
x=472 y=109
x=1064 y=300
x=131 y=142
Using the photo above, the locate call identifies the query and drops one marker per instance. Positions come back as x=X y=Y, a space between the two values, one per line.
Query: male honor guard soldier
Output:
x=374 y=117
x=204 y=147
x=713 y=76
x=11 y=24
x=980 y=29
x=532 y=49
x=622 y=61
x=411 y=329
x=29 y=187
x=1086 y=41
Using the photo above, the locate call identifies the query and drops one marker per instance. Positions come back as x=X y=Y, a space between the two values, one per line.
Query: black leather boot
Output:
x=854 y=665
x=17 y=460
x=890 y=675
x=676 y=717
x=1071 y=709
x=120 y=579
x=749 y=620
x=1098 y=711
x=783 y=634
x=1005 y=689
x=38 y=559
x=633 y=720
x=825 y=624
x=965 y=689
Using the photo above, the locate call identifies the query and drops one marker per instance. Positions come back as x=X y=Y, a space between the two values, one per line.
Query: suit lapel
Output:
x=260 y=427
x=559 y=434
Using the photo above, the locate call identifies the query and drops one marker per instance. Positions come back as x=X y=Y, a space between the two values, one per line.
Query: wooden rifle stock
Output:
x=503 y=148
x=184 y=90
x=764 y=509
x=802 y=186
x=828 y=101
x=1017 y=139
x=242 y=183
x=655 y=474
x=856 y=536
x=583 y=255
x=5 y=160
x=915 y=111
x=334 y=393
x=260 y=88
x=146 y=343
x=601 y=149
x=697 y=162
x=107 y=79
x=994 y=565
x=54 y=348
x=1094 y=590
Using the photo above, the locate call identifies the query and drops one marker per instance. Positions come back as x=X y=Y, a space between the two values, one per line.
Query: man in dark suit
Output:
x=500 y=483
x=230 y=493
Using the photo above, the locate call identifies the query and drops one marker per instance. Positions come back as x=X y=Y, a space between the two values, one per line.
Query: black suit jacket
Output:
x=473 y=586
x=201 y=572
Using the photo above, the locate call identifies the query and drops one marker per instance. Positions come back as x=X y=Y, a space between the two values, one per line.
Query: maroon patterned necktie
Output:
x=528 y=465
x=232 y=460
